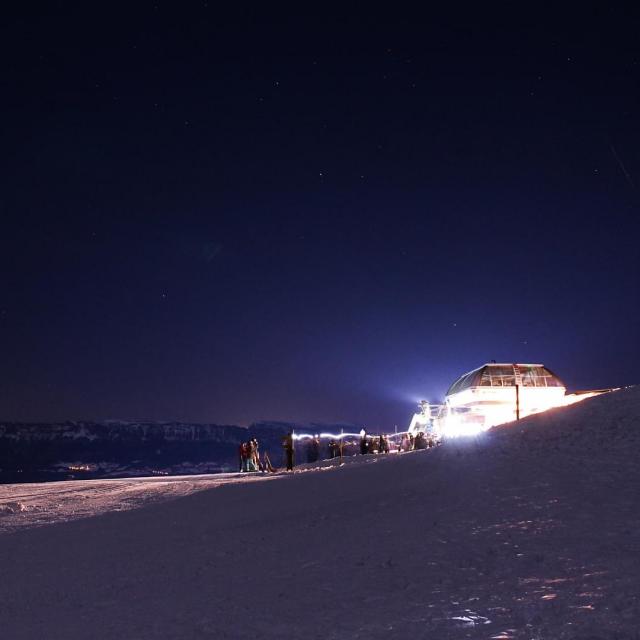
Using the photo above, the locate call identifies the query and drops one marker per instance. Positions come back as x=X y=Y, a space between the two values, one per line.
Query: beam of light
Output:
x=333 y=436
x=474 y=411
x=340 y=436
x=572 y=398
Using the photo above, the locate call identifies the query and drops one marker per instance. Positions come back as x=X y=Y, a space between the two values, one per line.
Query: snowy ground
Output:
x=28 y=505
x=532 y=531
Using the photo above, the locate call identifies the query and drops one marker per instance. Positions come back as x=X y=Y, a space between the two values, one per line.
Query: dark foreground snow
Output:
x=532 y=531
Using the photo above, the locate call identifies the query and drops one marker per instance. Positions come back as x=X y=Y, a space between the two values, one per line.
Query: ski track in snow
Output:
x=532 y=531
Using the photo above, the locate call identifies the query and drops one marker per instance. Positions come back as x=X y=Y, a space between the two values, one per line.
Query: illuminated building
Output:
x=493 y=394
x=496 y=393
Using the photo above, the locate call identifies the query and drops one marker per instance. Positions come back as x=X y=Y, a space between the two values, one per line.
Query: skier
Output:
x=256 y=455
x=313 y=451
x=241 y=454
x=251 y=455
x=244 y=456
x=363 y=442
x=287 y=443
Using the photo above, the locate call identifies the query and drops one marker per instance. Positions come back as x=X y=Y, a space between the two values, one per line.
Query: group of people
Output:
x=406 y=442
x=410 y=442
x=373 y=444
x=250 y=458
x=382 y=443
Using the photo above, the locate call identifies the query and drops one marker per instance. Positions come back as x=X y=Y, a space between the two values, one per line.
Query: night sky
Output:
x=227 y=216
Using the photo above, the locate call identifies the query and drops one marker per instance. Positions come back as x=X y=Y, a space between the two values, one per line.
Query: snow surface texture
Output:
x=51 y=502
x=531 y=531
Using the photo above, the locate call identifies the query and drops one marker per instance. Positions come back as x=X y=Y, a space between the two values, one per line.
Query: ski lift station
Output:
x=493 y=394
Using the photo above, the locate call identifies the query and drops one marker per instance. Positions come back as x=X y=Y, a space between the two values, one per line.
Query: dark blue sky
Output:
x=225 y=217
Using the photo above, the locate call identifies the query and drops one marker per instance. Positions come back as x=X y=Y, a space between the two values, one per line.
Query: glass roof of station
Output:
x=505 y=375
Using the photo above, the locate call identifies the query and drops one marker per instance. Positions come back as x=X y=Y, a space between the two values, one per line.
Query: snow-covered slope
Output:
x=532 y=531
